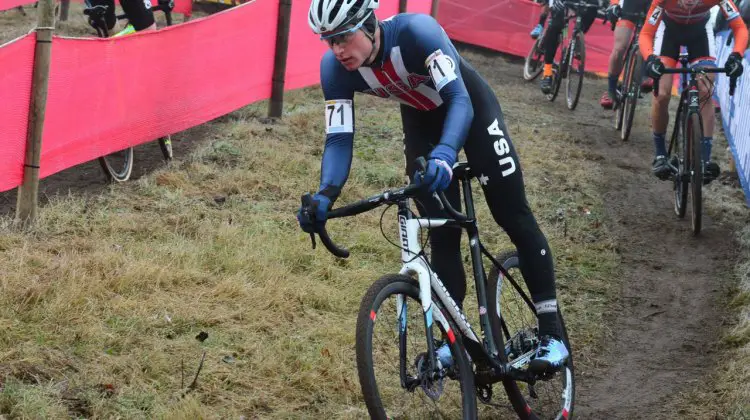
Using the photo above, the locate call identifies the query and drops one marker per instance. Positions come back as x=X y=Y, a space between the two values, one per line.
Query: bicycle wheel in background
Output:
x=694 y=135
x=679 y=159
x=620 y=102
x=165 y=144
x=118 y=166
x=391 y=347
x=576 y=66
x=633 y=91
x=558 y=72
x=515 y=331
x=534 y=63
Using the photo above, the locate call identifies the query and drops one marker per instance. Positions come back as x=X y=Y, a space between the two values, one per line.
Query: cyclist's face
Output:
x=351 y=48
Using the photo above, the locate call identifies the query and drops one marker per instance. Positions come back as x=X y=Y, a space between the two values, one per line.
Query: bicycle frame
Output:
x=484 y=352
x=689 y=100
x=415 y=264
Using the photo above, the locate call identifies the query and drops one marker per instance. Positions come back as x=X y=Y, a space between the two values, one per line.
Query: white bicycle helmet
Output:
x=330 y=15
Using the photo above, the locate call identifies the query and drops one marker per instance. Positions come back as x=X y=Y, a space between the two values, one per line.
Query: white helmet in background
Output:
x=330 y=15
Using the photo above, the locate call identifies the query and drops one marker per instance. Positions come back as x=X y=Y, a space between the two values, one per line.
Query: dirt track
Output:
x=667 y=319
x=668 y=315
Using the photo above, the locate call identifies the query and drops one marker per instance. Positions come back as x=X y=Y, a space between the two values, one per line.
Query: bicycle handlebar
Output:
x=697 y=70
x=361 y=206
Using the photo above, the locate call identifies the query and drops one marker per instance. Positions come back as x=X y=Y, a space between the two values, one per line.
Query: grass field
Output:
x=102 y=300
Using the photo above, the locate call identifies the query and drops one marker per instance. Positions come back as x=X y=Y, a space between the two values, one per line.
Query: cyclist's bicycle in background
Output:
x=685 y=151
x=534 y=63
x=632 y=77
x=119 y=165
x=404 y=318
x=572 y=56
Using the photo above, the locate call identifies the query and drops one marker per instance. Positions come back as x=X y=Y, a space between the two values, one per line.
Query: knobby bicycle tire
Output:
x=678 y=148
x=396 y=284
x=694 y=134
x=578 y=48
x=534 y=63
x=633 y=92
x=118 y=166
x=620 y=102
x=501 y=329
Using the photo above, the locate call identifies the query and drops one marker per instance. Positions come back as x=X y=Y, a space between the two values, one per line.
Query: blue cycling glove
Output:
x=439 y=170
x=314 y=218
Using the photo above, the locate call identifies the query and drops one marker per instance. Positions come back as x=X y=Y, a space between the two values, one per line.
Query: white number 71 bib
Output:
x=339 y=116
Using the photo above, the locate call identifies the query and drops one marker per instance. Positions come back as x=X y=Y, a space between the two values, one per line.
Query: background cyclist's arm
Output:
x=739 y=29
x=653 y=19
x=426 y=38
x=337 y=154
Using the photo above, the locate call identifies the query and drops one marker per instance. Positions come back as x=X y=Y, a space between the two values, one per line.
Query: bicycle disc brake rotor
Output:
x=523 y=342
x=433 y=388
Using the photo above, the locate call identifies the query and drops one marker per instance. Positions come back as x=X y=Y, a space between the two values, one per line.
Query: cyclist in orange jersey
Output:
x=672 y=24
x=623 y=33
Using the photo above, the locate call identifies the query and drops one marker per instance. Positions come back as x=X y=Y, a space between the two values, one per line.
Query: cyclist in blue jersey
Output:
x=446 y=106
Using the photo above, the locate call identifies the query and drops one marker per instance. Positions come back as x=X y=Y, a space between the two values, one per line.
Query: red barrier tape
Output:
x=105 y=96
x=505 y=25
x=9 y=4
x=15 y=85
x=184 y=7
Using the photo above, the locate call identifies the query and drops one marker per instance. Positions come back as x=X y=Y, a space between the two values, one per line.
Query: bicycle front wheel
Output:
x=619 y=102
x=391 y=356
x=576 y=65
x=633 y=91
x=679 y=159
x=514 y=326
x=118 y=166
x=694 y=133
x=534 y=63
x=558 y=69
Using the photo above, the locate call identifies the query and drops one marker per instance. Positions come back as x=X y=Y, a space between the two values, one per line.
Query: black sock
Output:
x=548 y=322
x=542 y=18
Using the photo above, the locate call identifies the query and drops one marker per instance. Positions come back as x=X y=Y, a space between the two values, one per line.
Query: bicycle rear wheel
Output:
x=633 y=92
x=575 y=70
x=694 y=133
x=118 y=166
x=534 y=63
x=391 y=345
x=515 y=330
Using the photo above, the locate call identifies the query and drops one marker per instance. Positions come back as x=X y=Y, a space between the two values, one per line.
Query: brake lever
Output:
x=306 y=205
x=312 y=238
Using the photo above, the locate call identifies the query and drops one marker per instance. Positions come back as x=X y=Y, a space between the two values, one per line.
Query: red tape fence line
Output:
x=108 y=94
x=184 y=7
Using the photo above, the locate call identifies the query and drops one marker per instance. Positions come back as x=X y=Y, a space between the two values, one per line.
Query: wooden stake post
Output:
x=276 y=105
x=28 y=192
x=64 y=8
